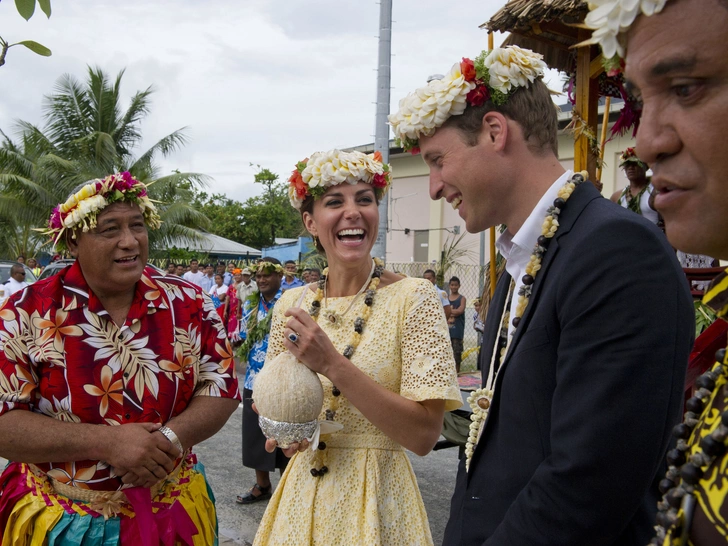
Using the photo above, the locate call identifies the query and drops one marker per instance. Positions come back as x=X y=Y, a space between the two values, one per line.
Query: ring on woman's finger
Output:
x=293 y=337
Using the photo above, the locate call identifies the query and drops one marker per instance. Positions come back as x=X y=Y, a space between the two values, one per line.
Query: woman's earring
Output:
x=315 y=241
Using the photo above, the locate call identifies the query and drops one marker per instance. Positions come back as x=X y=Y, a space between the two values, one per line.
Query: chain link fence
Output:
x=472 y=279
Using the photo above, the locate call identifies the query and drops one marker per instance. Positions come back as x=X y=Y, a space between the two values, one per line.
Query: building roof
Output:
x=549 y=27
x=217 y=246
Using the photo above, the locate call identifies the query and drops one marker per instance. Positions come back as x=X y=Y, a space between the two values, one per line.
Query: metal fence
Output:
x=472 y=279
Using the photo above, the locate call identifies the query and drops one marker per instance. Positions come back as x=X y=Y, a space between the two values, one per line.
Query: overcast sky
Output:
x=254 y=81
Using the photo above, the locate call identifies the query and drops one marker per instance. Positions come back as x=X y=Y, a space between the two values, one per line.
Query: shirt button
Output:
x=126 y=374
x=127 y=416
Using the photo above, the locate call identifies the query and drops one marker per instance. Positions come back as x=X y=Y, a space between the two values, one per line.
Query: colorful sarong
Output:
x=33 y=513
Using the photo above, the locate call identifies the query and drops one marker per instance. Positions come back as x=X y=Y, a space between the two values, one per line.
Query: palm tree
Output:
x=88 y=135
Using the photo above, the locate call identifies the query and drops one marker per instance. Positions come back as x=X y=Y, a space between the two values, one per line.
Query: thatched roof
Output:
x=542 y=26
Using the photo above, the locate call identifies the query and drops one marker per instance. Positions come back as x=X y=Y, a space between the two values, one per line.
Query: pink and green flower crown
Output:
x=314 y=175
x=82 y=208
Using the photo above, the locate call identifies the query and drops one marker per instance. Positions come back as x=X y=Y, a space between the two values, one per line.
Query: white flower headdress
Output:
x=493 y=75
x=610 y=18
x=325 y=169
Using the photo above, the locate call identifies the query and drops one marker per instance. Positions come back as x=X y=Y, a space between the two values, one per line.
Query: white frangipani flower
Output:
x=610 y=18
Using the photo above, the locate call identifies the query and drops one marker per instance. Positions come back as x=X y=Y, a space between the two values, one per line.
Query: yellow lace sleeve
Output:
x=428 y=365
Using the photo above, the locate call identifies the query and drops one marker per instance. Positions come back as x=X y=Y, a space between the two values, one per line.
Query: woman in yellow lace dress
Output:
x=380 y=344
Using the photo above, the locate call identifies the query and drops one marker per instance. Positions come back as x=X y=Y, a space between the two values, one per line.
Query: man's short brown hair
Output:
x=533 y=110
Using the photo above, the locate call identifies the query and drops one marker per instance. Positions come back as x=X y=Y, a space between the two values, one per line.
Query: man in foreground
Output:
x=109 y=374
x=683 y=86
x=571 y=355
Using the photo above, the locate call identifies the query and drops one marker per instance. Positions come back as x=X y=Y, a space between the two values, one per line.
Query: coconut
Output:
x=289 y=398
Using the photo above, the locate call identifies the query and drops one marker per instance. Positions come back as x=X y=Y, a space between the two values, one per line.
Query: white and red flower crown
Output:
x=493 y=75
x=314 y=175
x=83 y=207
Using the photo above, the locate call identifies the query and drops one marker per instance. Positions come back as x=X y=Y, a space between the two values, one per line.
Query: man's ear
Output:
x=71 y=243
x=495 y=129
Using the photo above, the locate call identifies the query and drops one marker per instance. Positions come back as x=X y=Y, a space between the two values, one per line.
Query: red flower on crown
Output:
x=467 y=67
x=380 y=180
x=299 y=186
x=478 y=96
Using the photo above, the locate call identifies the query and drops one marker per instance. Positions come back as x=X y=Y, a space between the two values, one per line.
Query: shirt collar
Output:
x=148 y=294
x=525 y=238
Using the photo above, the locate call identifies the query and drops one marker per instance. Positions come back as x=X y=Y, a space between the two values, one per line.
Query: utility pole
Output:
x=381 y=135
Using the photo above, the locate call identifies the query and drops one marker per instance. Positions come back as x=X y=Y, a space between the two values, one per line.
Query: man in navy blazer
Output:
x=587 y=338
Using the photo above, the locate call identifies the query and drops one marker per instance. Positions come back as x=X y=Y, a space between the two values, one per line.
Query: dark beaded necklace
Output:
x=684 y=470
x=348 y=352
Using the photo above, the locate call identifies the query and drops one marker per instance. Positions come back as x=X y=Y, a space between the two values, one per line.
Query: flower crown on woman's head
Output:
x=83 y=207
x=315 y=175
x=493 y=75
x=629 y=156
x=609 y=19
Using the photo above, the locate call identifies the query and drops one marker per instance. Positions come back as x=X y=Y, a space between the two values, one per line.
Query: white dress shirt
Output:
x=517 y=249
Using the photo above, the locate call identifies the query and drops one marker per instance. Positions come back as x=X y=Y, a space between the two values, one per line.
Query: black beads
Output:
x=516 y=321
x=676 y=457
x=335 y=391
x=502 y=342
x=674 y=497
x=712 y=447
x=320 y=472
x=705 y=382
x=359 y=325
x=559 y=202
x=691 y=474
x=322 y=446
x=527 y=279
x=665 y=485
x=720 y=355
x=543 y=241
x=681 y=431
x=695 y=404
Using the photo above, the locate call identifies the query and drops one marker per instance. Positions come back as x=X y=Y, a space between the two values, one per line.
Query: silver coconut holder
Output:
x=286 y=434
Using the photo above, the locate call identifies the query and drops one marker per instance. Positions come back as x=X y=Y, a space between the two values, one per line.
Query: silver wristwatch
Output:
x=172 y=437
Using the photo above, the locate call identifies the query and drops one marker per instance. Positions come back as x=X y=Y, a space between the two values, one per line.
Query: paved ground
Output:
x=221 y=457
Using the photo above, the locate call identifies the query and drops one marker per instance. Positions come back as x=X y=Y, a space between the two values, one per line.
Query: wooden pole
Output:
x=603 y=140
x=493 y=272
x=587 y=95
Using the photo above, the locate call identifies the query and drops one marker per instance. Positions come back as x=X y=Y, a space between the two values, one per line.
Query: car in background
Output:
x=5 y=266
x=54 y=267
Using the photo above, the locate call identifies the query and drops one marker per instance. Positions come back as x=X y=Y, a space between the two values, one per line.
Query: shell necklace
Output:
x=481 y=399
x=330 y=314
x=359 y=323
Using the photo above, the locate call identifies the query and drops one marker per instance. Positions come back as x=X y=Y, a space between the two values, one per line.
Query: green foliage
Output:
x=452 y=253
x=26 y=9
x=704 y=317
x=35 y=47
x=225 y=215
x=88 y=135
x=269 y=215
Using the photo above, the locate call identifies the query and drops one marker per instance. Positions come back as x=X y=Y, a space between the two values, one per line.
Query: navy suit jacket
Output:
x=589 y=391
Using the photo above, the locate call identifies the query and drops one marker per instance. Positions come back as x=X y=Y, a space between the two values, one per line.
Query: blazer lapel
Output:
x=491 y=331
x=573 y=209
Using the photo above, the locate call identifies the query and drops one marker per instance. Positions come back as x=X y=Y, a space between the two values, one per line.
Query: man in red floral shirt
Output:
x=109 y=374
